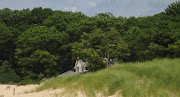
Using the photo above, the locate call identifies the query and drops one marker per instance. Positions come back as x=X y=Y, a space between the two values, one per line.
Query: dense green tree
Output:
x=98 y=47
x=41 y=38
x=7 y=73
x=6 y=16
x=38 y=15
x=40 y=64
x=138 y=43
x=8 y=36
x=173 y=9
x=174 y=49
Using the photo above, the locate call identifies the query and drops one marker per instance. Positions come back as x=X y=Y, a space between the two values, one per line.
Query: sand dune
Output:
x=8 y=91
x=20 y=92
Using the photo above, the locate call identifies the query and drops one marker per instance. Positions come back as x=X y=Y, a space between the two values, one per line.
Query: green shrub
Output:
x=27 y=80
x=7 y=74
x=9 y=77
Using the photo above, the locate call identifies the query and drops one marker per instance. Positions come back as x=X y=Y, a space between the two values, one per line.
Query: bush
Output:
x=27 y=80
x=9 y=77
x=7 y=74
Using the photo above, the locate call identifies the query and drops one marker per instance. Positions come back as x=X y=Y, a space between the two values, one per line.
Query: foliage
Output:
x=37 y=52
x=95 y=48
x=7 y=74
x=27 y=80
x=174 y=49
x=173 y=9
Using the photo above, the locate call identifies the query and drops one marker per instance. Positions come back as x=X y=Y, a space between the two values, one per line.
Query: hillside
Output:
x=157 y=78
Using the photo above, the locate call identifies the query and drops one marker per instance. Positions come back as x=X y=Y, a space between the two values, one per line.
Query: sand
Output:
x=5 y=91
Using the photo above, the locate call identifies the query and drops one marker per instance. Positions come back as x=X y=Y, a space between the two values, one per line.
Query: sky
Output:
x=125 y=8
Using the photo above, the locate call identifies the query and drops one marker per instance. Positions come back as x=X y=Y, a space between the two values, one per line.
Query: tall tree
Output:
x=39 y=40
x=98 y=46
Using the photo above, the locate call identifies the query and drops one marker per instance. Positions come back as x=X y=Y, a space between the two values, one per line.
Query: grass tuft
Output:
x=160 y=77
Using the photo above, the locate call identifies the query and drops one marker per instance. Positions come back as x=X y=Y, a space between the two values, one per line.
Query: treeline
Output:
x=42 y=43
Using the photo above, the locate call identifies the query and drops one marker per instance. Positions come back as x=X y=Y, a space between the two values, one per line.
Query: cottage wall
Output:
x=80 y=66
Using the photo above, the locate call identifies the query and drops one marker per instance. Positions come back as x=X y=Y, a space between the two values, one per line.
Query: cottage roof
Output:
x=68 y=73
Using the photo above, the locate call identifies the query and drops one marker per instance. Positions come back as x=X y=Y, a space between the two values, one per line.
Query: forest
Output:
x=41 y=43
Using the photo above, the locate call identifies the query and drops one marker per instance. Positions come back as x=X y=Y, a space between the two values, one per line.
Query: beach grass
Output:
x=157 y=78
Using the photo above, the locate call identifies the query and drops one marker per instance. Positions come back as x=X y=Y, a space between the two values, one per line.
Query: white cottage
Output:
x=80 y=66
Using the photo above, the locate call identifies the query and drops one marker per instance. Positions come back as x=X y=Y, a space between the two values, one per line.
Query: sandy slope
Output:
x=47 y=93
x=19 y=92
x=8 y=92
